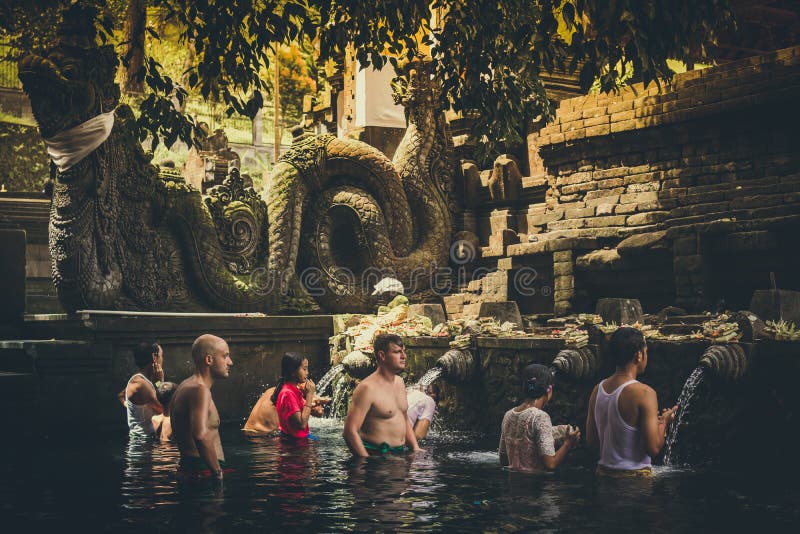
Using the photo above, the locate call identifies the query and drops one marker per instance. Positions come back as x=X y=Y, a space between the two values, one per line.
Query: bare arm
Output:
x=570 y=440
x=200 y=406
x=421 y=428
x=144 y=395
x=411 y=438
x=121 y=396
x=653 y=427
x=592 y=438
x=359 y=407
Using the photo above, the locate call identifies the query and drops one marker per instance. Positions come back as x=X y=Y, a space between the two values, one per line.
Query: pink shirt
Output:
x=290 y=400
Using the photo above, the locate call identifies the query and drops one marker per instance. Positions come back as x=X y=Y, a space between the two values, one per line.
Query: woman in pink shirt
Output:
x=527 y=440
x=294 y=396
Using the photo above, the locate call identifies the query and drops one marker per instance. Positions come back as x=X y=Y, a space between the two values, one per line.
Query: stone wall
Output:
x=82 y=361
x=706 y=170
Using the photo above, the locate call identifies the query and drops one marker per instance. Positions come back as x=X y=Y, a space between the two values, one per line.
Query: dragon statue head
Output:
x=413 y=87
x=75 y=81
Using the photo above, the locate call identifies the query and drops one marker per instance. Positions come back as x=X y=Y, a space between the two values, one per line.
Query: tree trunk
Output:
x=135 y=22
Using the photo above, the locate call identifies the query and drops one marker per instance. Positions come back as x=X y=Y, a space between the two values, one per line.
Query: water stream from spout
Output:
x=684 y=400
x=329 y=377
x=338 y=396
x=429 y=377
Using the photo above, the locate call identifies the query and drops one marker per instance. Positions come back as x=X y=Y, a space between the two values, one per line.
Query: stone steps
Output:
x=31 y=215
x=41 y=297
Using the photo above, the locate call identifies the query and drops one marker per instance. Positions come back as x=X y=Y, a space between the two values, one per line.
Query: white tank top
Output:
x=140 y=418
x=621 y=445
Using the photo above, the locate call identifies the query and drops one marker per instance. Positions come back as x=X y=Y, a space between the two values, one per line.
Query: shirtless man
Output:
x=195 y=421
x=377 y=422
x=623 y=419
x=139 y=395
x=264 y=417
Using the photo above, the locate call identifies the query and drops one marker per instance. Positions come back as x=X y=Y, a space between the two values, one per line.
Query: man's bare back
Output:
x=190 y=394
x=264 y=417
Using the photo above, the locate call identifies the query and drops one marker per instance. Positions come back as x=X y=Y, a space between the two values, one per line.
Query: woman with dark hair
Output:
x=527 y=441
x=294 y=396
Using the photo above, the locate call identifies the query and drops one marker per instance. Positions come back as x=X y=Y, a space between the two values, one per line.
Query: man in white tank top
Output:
x=139 y=396
x=623 y=419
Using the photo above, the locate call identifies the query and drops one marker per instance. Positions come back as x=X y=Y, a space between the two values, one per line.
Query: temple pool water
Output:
x=96 y=481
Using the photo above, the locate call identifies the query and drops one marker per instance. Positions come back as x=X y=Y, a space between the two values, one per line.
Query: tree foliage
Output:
x=296 y=80
x=489 y=57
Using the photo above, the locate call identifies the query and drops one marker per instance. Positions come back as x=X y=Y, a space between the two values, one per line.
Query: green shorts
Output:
x=383 y=448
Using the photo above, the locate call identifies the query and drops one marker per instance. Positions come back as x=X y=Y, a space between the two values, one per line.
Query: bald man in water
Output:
x=195 y=421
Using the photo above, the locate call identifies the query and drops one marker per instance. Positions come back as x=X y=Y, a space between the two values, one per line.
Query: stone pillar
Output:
x=563 y=282
x=689 y=271
x=258 y=126
x=12 y=274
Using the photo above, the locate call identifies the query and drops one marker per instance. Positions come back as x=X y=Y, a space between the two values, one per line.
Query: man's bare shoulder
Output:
x=137 y=382
x=366 y=385
x=265 y=400
x=639 y=392
x=191 y=389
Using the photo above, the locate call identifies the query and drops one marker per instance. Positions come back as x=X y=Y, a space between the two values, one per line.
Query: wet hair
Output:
x=290 y=363
x=381 y=342
x=536 y=380
x=143 y=353
x=164 y=392
x=624 y=345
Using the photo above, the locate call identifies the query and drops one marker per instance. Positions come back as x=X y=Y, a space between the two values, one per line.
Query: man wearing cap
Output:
x=527 y=439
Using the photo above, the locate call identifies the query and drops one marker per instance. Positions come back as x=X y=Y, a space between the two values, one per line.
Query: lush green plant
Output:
x=488 y=56
x=24 y=163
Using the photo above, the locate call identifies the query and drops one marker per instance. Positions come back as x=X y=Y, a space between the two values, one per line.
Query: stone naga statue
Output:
x=336 y=216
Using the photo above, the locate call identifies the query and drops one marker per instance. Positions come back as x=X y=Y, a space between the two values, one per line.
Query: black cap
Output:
x=536 y=379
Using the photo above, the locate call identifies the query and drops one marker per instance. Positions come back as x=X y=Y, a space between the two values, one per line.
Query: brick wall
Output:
x=714 y=154
x=721 y=141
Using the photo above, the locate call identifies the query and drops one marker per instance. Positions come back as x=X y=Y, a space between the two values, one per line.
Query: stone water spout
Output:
x=579 y=364
x=358 y=365
x=457 y=365
x=729 y=362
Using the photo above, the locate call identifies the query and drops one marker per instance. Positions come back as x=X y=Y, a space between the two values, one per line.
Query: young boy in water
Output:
x=162 y=422
x=422 y=408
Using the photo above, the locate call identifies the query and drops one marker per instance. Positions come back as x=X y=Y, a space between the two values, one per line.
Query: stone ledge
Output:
x=552 y=245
